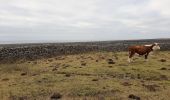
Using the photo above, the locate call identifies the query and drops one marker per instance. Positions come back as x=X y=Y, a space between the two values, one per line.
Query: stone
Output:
x=163 y=60
x=131 y=96
x=56 y=96
x=110 y=61
x=95 y=79
x=5 y=79
x=67 y=75
x=83 y=64
x=23 y=74
x=163 y=68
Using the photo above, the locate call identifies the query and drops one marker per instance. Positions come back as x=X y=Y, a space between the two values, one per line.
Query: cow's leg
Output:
x=146 y=57
x=129 y=59
x=131 y=54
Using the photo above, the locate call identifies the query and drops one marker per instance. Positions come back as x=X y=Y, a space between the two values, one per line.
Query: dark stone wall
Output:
x=14 y=52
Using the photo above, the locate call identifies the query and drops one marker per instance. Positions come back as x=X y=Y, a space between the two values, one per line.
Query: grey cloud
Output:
x=83 y=19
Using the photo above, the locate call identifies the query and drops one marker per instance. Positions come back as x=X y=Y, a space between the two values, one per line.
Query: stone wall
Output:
x=12 y=53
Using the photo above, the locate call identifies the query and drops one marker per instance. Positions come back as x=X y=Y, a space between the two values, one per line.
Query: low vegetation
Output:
x=88 y=76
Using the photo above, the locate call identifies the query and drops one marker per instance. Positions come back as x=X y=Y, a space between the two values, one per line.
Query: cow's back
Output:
x=141 y=50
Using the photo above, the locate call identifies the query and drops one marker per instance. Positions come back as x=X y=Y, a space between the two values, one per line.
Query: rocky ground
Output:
x=96 y=75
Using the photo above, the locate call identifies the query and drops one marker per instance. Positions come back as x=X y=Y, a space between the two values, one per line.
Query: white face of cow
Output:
x=156 y=47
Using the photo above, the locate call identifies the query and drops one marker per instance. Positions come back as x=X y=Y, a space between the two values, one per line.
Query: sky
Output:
x=83 y=20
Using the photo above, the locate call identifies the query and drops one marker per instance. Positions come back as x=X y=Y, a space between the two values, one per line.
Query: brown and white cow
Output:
x=142 y=50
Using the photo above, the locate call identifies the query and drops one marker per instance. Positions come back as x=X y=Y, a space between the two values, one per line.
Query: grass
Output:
x=87 y=76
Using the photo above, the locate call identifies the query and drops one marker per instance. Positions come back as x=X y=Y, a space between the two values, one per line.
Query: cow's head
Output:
x=156 y=46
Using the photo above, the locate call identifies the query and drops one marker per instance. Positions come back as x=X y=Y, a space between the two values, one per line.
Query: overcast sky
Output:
x=83 y=20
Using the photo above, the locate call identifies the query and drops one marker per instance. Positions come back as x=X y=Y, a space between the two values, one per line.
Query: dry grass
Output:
x=87 y=77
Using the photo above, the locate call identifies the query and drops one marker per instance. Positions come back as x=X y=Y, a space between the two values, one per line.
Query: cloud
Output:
x=83 y=19
x=161 y=6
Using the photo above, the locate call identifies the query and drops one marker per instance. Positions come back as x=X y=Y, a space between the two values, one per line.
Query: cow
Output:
x=142 y=50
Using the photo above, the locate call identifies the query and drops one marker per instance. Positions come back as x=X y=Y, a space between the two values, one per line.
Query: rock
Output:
x=34 y=62
x=138 y=76
x=56 y=96
x=163 y=68
x=163 y=60
x=110 y=61
x=23 y=74
x=104 y=87
x=50 y=60
x=83 y=64
x=95 y=79
x=44 y=78
x=131 y=96
x=28 y=62
x=110 y=66
x=5 y=79
x=23 y=98
x=50 y=66
x=67 y=75
x=39 y=81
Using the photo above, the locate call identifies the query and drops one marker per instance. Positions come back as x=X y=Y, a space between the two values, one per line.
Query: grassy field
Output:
x=89 y=76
